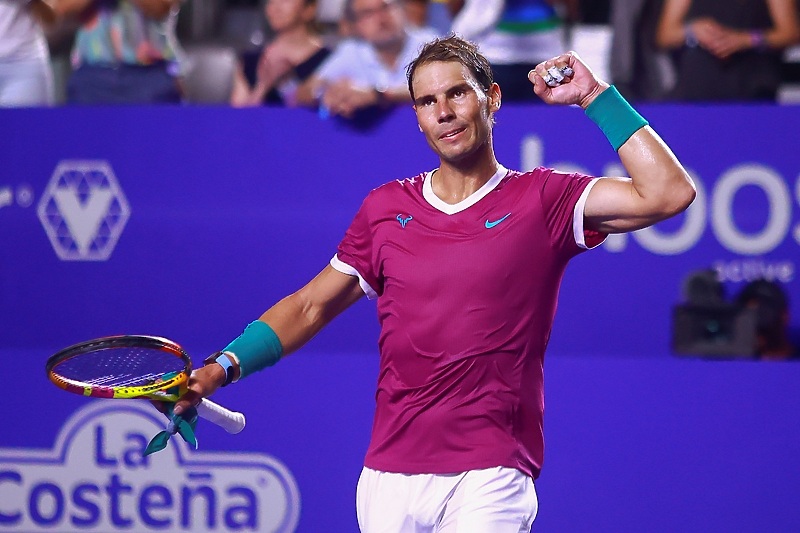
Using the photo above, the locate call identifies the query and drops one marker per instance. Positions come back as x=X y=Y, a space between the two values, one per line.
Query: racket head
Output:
x=121 y=366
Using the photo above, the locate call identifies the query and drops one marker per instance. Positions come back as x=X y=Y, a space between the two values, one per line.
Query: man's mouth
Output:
x=450 y=134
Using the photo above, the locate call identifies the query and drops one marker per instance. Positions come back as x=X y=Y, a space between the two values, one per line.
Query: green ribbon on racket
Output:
x=183 y=424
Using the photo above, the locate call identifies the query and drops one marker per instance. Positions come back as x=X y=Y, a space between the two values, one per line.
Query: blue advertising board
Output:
x=189 y=222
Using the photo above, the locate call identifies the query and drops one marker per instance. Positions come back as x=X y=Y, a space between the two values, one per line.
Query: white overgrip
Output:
x=230 y=421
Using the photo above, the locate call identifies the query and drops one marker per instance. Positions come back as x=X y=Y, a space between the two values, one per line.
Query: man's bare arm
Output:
x=658 y=188
x=300 y=316
x=295 y=320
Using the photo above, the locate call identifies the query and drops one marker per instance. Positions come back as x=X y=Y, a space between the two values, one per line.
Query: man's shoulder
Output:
x=396 y=189
x=532 y=175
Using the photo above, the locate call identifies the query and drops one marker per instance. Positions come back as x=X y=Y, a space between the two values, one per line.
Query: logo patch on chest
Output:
x=491 y=224
x=404 y=220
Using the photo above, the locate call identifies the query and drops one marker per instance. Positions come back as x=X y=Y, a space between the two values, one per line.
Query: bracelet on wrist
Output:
x=689 y=37
x=225 y=360
x=757 y=40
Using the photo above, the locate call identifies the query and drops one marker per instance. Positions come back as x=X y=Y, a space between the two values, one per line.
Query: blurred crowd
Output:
x=348 y=57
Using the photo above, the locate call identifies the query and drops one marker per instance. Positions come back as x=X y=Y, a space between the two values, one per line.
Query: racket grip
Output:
x=230 y=421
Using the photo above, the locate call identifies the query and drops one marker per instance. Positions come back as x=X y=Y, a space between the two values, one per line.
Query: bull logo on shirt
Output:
x=404 y=220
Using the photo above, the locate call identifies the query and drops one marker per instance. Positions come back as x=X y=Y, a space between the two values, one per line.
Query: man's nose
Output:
x=444 y=110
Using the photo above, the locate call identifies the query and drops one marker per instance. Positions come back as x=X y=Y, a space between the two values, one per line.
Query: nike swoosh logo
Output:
x=496 y=222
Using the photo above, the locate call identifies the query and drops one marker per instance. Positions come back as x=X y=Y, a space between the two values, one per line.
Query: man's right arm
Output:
x=295 y=320
x=300 y=316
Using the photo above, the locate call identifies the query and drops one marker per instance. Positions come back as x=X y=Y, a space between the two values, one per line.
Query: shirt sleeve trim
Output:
x=344 y=268
x=578 y=218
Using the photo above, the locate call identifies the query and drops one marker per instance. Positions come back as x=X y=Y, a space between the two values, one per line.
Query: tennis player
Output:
x=465 y=262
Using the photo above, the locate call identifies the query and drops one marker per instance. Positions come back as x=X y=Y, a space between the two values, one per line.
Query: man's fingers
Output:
x=161 y=406
x=190 y=399
x=553 y=73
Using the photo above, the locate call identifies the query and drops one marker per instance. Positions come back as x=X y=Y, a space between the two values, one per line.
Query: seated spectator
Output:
x=25 y=75
x=515 y=36
x=123 y=51
x=772 y=319
x=728 y=49
x=369 y=69
x=289 y=59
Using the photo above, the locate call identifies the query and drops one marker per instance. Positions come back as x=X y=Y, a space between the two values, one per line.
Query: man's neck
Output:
x=457 y=181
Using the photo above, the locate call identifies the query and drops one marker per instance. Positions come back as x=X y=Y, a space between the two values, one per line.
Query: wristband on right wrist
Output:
x=615 y=116
x=256 y=348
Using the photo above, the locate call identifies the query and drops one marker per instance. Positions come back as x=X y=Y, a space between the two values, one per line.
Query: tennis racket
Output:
x=133 y=366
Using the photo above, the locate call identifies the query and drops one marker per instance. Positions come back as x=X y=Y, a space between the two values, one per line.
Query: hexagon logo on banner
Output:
x=83 y=210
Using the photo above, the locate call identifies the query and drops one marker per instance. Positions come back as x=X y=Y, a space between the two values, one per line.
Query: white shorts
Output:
x=494 y=500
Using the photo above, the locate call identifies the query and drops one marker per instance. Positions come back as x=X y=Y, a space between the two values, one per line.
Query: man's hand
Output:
x=344 y=98
x=579 y=88
x=202 y=384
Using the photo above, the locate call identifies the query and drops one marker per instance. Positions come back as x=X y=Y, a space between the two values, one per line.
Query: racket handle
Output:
x=230 y=421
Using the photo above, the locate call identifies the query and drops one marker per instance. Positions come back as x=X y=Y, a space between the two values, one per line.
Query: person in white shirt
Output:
x=515 y=36
x=26 y=78
x=368 y=70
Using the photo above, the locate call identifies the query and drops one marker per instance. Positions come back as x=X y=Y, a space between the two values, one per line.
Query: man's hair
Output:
x=452 y=48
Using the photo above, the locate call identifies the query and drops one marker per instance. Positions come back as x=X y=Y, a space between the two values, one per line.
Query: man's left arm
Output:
x=658 y=188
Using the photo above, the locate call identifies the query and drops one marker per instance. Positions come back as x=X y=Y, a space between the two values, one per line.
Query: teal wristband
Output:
x=615 y=116
x=256 y=348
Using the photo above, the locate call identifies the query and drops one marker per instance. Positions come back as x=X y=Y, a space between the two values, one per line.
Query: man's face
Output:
x=379 y=22
x=453 y=111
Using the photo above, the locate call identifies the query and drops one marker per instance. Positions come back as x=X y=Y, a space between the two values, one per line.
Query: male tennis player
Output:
x=465 y=262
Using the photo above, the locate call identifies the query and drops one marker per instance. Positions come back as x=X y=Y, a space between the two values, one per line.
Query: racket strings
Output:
x=120 y=366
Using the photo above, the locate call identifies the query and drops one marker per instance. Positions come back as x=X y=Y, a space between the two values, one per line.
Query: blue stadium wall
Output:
x=188 y=222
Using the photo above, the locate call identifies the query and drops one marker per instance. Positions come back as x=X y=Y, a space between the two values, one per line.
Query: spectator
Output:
x=290 y=58
x=772 y=319
x=728 y=49
x=25 y=75
x=416 y=12
x=515 y=36
x=639 y=68
x=124 y=51
x=368 y=70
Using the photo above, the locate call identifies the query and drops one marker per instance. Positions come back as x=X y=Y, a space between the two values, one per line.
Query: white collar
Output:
x=469 y=201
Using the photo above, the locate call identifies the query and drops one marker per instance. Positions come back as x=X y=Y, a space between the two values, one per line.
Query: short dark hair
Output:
x=453 y=48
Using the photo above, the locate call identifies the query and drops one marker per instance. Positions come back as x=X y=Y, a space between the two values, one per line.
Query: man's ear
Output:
x=495 y=97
